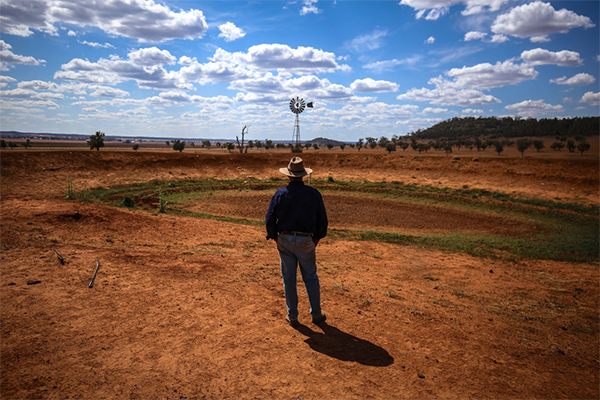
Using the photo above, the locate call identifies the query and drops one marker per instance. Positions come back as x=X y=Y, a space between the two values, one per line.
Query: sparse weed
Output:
x=70 y=195
x=365 y=301
x=391 y=294
x=162 y=203
x=127 y=202
x=340 y=287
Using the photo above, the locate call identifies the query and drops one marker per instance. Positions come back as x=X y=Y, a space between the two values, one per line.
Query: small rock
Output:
x=33 y=282
x=421 y=376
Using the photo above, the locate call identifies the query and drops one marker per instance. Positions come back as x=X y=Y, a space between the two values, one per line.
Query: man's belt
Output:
x=294 y=233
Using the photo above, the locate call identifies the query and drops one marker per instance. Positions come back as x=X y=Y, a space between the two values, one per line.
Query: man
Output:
x=296 y=220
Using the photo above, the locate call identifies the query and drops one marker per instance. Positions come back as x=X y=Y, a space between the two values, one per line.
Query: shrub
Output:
x=583 y=146
x=523 y=144
x=96 y=141
x=162 y=203
x=556 y=146
x=127 y=202
x=178 y=145
x=70 y=195
x=538 y=144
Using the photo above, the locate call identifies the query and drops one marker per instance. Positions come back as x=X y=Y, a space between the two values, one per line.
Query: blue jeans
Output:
x=294 y=250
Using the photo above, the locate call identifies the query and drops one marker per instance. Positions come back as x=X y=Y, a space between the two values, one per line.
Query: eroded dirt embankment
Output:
x=46 y=173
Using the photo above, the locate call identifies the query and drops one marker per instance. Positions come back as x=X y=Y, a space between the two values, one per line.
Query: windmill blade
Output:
x=309 y=105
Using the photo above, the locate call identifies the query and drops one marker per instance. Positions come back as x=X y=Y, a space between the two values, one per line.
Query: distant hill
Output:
x=324 y=142
x=491 y=127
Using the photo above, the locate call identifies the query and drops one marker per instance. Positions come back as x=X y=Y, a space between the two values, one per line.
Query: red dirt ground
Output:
x=193 y=308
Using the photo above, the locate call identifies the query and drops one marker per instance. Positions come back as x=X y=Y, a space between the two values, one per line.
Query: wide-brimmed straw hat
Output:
x=296 y=168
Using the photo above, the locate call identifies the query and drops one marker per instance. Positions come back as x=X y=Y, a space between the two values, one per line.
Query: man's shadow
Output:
x=345 y=347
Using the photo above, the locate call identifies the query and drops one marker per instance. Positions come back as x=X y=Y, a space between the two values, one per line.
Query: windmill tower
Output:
x=297 y=105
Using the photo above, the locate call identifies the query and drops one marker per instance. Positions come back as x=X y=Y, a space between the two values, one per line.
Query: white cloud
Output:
x=447 y=94
x=282 y=57
x=144 y=20
x=109 y=92
x=151 y=56
x=431 y=110
x=370 y=85
x=534 y=108
x=488 y=76
x=438 y=8
x=564 y=58
x=30 y=95
x=472 y=111
x=499 y=38
x=434 y=14
x=93 y=44
x=71 y=33
x=143 y=66
x=537 y=20
x=367 y=42
x=230 y=32
x=473 y=35
x=579 y=79
x=593 y=99
x=7 y=57
x=185 y=60
x=7 y=79
x=430 y=40
x=388 y=65
x=309 y=7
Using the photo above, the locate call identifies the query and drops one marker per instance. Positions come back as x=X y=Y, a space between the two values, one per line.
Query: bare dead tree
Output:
x=241 y=145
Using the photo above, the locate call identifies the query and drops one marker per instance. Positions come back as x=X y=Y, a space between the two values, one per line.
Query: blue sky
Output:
x=204 y=69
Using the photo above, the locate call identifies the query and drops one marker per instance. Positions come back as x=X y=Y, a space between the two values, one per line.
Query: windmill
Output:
x=297 y=105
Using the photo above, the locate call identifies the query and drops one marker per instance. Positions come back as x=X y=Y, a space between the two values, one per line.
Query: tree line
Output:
x=508 y=127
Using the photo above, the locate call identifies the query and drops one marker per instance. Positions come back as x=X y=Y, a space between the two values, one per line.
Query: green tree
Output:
x=206 y=143
x=499 y=147
x=523 y=144
x=3 y=144
x=27 y=144
x=136 y=147
x=329 y=146
x=230 y=146
x=383 y=141
x=178 y=145
x=167 y=143
x=359 y=144
x=96 y=141
x=342 y=146
x=583 y=146
x=316 y=146
x=390 y=146
x=538 y=144
x=373 y=144
x=269 y=144
x=404 y=146
x=571 y=145
x=557 y=146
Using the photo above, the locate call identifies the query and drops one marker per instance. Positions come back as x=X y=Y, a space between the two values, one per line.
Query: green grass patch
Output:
x=571 y=230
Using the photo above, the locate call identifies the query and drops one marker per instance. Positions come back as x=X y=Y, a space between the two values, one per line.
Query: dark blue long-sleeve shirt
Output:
x=296 y=208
